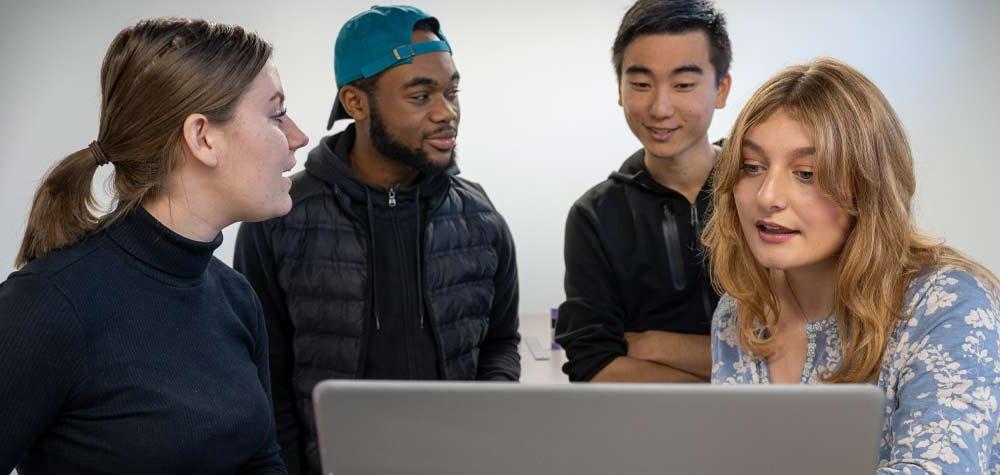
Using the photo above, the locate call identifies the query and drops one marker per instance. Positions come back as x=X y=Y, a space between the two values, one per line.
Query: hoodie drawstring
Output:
x=371 y=242
x=420 y=273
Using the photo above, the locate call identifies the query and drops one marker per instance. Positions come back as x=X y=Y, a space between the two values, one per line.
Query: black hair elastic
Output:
x=99 y=155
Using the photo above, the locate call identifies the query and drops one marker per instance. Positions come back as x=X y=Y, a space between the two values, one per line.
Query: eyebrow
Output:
x=426 y=81
x=687 y=68
x=638 y=69
x=797 y=153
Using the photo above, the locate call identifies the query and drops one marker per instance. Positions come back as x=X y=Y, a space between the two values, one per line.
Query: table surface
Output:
x=540 y=371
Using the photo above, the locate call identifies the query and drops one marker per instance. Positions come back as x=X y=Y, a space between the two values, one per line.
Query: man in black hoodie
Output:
x=389 y=266
x=638 y=299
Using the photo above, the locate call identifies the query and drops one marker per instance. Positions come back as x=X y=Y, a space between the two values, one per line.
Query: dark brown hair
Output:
x=155 y=74
x=674 y=17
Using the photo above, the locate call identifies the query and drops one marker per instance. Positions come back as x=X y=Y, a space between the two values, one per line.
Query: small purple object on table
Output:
x=554 y=314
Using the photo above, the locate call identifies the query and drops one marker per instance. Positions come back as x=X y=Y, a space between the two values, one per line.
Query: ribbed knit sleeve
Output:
x=44 y=354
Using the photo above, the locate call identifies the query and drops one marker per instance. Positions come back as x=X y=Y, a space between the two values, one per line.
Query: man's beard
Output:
x=393 y=149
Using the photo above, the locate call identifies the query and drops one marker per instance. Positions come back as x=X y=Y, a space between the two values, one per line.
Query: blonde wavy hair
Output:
x=864 y=165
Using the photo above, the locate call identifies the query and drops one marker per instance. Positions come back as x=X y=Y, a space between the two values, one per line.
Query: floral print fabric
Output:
x=940 y=373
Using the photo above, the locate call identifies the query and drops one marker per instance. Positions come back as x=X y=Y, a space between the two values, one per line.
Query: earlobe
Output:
x=619 y=94
x=200 y=141
x=723 y=94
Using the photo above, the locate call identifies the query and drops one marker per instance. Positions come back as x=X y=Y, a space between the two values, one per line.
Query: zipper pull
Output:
x=392 y=197
x=694 y=216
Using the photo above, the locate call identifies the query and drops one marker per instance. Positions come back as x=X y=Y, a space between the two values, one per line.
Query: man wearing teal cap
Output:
x=389 y=265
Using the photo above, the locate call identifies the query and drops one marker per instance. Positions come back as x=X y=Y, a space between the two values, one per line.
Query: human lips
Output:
x=290 y=166
x=773 y=233
x=443 y=141
x=662 y=134
x=284 y=173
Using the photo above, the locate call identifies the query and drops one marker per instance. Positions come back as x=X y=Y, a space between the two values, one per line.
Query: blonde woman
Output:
x=827 y=280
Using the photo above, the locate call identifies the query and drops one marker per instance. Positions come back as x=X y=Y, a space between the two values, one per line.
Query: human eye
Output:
x=684 y=86
x=280 y=115
x=805 y=175
x=451 y=94
x=749 y=168
x=420 y=98
x=639 y=85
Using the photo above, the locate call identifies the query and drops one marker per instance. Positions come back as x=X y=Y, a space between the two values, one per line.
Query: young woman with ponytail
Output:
x=827 y=280
x=125 y=347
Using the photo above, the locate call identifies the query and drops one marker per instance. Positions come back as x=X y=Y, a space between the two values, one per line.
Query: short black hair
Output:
x=367 y=85
x=652 y=17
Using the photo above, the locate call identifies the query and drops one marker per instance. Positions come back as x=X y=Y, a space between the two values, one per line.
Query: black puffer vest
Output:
x=322 y=263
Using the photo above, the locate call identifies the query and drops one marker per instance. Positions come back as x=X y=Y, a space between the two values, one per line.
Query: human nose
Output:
x=296 y=137
x=773 y=192
x=662 y=106
x=445 y=111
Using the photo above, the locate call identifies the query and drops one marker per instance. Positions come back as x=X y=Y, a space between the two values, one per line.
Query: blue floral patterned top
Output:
x=940 y=374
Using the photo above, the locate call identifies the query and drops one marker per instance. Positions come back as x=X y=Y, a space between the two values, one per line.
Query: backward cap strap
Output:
x=401 y=54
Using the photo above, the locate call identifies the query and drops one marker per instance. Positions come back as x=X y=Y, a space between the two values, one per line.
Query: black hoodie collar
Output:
x=633 y=172
x=330 y=162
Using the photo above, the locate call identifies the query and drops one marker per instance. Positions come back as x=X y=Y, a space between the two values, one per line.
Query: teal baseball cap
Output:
x=375 y=40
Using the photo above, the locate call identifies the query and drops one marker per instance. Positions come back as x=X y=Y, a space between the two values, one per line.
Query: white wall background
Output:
x=540 y=119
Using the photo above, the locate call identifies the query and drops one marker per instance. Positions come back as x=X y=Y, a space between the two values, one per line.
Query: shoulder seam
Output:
x=77 y=319
x=63 y=266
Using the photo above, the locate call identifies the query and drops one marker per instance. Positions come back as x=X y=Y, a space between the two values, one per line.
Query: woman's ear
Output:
x=200 y=140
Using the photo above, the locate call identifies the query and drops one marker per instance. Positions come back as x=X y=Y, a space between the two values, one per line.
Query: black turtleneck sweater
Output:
x=134 y=351
x=400 y=345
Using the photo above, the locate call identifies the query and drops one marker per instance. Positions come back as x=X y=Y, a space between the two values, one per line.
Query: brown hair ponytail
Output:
x=62 y=211
x=155 y=74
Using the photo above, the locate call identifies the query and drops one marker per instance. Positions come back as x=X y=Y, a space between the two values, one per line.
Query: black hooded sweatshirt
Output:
x=634 y=262
x=341 y=296
x=400 y=345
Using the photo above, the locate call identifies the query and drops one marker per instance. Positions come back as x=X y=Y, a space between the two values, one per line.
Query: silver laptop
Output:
x=370 y=427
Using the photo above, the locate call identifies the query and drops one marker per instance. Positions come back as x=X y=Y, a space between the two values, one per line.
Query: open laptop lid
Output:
x=502 y=428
